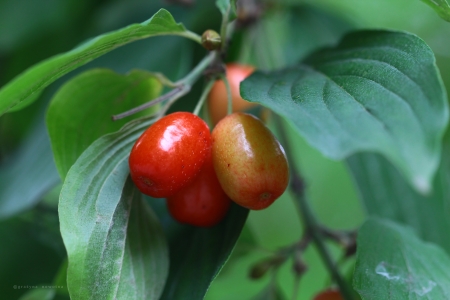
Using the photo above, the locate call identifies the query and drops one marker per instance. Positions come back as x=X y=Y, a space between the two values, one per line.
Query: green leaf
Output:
x=115 y=245
x=27 y=102
x=392 y=263
x=246 y=243
x=386 y=194
x=29 y=174
x=39 y=294
x=271 y=292
x=36 y=78
x=227 y=7
x=25 y=260
x=198 y=254
x=441 y=7
x=81 y=110
x=60 y=280
x=376 y=91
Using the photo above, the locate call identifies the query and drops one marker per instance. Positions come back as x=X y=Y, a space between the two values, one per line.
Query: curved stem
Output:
x=192 y=77
x=223 y=29
x=203 y=97
x=190 y=35
x=297 y=187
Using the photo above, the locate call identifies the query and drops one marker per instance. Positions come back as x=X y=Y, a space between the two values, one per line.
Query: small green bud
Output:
x=211 y=40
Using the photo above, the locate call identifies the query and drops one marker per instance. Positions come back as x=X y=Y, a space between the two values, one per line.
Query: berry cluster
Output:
x=198 y=172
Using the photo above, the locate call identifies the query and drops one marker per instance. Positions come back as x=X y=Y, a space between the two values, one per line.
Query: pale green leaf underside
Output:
x=115 y=245
x=441 y=7
x=376 y=91
x=29 y=174
x=392 y=263
x=80 y=112
x=33 y=80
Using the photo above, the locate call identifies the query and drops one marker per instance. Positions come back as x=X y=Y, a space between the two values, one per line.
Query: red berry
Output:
x=169 y=154
x=249 y=161
x=203 y=202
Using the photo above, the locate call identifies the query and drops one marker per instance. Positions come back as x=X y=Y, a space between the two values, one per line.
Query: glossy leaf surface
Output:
x=115 y=245
x=376 y=91
x=392 y=263
x=386 y=194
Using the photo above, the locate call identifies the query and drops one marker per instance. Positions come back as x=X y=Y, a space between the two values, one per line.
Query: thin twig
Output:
x=139 y=108
x=192 y=77
x=297 y=186
x=172 y=100
x=182 y=87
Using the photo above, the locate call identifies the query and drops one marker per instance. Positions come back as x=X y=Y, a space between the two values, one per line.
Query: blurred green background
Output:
x=31 y=250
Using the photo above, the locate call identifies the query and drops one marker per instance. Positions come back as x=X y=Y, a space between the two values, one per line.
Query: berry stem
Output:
x=311 y=225
x=203 y=97
x=229 y=96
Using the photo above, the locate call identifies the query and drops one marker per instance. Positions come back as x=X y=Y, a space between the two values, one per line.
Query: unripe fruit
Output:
x=249 y=161
x=169 y=154
x=329 y=295
x=201 y=203
x=217 y=98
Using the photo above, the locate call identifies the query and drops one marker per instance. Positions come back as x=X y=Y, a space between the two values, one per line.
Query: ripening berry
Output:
x=249 y=161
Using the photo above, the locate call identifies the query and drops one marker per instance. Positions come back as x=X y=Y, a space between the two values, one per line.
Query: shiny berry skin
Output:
x=218 y=99
x=201 y=203
x=249 y=161
x=329 y=295
x=169 y=154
